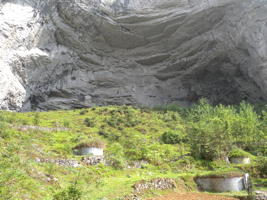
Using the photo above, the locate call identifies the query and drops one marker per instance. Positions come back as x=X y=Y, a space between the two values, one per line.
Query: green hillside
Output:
x=171 y=141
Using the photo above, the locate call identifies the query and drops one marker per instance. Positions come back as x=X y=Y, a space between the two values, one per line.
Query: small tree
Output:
x=70 y=193
x=36 y=119
x=210 y=130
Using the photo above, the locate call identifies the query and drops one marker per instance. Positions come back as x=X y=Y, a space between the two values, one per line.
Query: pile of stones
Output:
x=132 y=197
x=93 y=160
x=39 y=128
x=260 y=195
x=158 y=184
x=61 y=162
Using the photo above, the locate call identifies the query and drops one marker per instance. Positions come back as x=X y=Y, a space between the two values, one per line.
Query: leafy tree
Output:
x=210 y=130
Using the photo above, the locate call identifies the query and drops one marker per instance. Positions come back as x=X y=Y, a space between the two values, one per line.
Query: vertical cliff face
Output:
x=72 y=54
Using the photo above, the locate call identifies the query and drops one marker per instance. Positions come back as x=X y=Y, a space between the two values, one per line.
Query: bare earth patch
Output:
x=192 y=196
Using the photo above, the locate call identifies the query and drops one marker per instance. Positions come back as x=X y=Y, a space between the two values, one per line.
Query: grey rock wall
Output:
x=78 y=53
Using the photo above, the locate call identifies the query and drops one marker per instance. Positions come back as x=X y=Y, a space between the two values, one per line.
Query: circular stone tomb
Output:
x=240 y=160
x=94 y=151
x=221 y=183
x=91 y=148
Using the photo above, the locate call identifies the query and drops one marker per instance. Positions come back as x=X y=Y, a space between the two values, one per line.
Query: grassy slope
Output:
x=25 y=179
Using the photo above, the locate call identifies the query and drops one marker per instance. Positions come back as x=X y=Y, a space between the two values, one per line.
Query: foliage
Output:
x=262 y=166
x=236 y=153
x=210 y=130
x=36 y=119
x=214 y=130
x=171 y=138
x=89 y=122
x=116 y=157
x=97 y=143
x=70 y=193
x=172 y=141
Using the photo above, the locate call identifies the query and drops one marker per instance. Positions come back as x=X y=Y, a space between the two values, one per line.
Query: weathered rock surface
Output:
x=261 y=195
x=77 y=53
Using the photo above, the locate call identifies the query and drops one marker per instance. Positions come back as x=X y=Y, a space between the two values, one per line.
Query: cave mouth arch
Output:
x=160 y=53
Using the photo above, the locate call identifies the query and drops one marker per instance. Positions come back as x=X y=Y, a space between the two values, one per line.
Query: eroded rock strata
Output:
x=78 y=53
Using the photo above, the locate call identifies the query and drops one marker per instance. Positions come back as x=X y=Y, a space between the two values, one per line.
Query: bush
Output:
x=71 y=193
x=262 y=166
x=236 y=153
x=97 y=143
x=66 y=124
x=171 y=138
x=115 y=156
x=36 y=119
x=3 y=131
x=83 y=112
x=247 y=133
x=89 y=122
x=210 y=130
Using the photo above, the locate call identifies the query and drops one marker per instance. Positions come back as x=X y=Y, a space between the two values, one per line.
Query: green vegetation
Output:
x=173 y=142
x=71 y=193
x=239 y=153
x=91 y=143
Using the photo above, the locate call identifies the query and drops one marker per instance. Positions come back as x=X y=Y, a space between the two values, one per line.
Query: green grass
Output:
x=130 y=134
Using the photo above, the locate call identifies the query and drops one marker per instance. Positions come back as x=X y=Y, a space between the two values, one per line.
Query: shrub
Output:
x=91 y=143
x=89 y=122
x=247 y=133
x=210 y=130
x=115 y=156
x=36 y=119
x=66 y=124
x=71 y=193
x=235 y=153
x=112 y=123
x=83 y=112
x=171 y=138
x=262 y=166
x=3 y=131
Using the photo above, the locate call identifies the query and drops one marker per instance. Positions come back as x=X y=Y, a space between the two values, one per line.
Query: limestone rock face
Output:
x=77 y=53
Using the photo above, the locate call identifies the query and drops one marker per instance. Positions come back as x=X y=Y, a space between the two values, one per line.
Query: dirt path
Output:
x=192 y=196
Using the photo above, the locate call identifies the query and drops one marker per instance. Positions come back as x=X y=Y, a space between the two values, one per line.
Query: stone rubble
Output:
x=61 y=162
x=132 y=197
x=261 y=195
x=89 y=161
x=157 y=184
x=93 y=160
x=39 y=128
